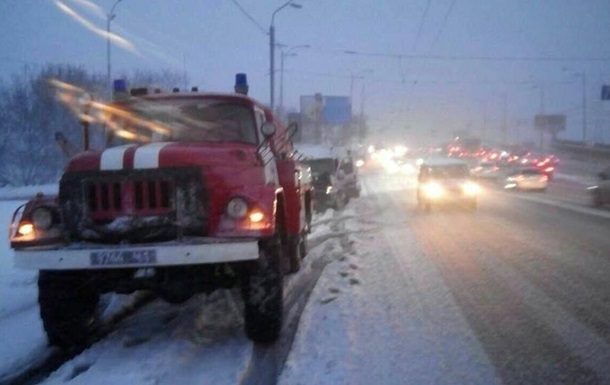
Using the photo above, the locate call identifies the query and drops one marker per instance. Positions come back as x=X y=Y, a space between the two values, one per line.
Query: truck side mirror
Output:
x=84 y=102
x=292 y=130
x=268 y=129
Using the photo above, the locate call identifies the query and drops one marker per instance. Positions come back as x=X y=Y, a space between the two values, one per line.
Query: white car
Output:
x=527 y=179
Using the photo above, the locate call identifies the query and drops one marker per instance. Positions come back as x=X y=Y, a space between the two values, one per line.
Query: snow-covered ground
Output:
x=347 y=333
x=208 y=346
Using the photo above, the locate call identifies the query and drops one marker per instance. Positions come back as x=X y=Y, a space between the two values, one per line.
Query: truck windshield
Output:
x=182 y=120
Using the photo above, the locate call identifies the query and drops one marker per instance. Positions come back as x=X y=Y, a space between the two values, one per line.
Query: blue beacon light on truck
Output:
x=119 y=89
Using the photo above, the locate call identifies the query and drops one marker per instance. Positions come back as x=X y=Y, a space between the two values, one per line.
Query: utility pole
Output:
x=504 y=121
x=272 y=50
x=584 y=107
x=109 y=17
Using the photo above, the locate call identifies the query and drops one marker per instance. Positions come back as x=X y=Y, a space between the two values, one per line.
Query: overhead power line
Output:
x=440 y=31
x=421 y=26
x=260 y=27
x=395 y=55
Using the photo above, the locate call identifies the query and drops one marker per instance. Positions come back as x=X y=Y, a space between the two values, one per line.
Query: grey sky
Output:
x=423 y=64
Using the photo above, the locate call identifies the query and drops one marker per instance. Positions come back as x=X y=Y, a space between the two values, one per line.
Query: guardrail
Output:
x=598 y=151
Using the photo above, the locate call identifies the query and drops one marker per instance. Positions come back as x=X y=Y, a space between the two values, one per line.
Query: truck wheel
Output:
x=308 y=222
x=262 y=291
x=68 y=305
x=294 y=254
x=303 y=245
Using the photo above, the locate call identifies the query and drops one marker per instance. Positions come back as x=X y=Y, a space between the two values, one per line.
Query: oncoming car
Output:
x=531 y=179
x=600 y=193
x=446 y=181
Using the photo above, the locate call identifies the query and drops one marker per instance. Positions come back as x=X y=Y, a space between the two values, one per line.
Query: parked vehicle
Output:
x=600 y=193
x=327 y=193
x=203 y=195
x=347 y=175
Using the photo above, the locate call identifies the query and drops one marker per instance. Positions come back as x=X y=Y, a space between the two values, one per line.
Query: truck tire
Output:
x=294 y=254
x=303 y=245
x=262 y=291
x=68 y=307
x=297 y=250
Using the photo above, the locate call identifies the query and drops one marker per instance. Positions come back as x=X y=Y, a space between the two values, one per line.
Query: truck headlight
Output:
x=42 y=218
x=25 y=229
x=237 y=208
x=256 y=216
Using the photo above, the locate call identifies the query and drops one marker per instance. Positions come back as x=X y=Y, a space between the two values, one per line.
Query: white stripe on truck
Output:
x=148 y=156
x=112 y=158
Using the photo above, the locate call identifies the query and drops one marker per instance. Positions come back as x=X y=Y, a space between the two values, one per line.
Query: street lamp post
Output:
x=109 y=17
x=583 y=76
x=541 y=113
x=283 y=55
x=584 y=106
x=504 y=119
x=362 y=97
x=272 y=49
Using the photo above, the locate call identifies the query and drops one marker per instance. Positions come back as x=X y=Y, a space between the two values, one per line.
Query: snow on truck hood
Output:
x=165 y=154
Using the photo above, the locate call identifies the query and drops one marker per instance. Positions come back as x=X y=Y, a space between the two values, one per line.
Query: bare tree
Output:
x=31 y=117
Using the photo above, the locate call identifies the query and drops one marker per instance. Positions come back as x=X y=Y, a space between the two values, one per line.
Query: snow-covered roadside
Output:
x=20 y=327
x=368 y=321
x=204 y=338
x=200 y=342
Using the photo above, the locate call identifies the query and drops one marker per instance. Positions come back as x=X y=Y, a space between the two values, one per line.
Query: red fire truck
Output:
x=198 y=191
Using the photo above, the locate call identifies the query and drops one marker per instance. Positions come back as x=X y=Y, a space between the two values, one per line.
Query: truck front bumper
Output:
x=97 y=256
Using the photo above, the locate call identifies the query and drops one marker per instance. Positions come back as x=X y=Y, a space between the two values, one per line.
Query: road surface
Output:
x=515 y=293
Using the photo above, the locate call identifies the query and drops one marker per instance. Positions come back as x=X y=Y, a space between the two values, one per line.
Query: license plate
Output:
x=123 y=257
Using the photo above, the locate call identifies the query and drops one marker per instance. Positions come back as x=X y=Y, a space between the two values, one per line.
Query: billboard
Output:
x=550 y=123
x=337 y=110
x=329 y=110
x=320 y=115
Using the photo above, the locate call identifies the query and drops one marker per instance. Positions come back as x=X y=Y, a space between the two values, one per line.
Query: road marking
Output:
x=564 y=205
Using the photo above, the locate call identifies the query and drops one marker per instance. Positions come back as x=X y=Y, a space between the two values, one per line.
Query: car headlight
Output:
x=237 y=208
x=329 y=189
x=471 y=188
x=433 y=190
x=42 y=218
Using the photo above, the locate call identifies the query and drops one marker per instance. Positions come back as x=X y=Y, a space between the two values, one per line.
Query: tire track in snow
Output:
x=523 y=345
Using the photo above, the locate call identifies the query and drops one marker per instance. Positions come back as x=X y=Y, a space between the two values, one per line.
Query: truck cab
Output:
x=200 y=191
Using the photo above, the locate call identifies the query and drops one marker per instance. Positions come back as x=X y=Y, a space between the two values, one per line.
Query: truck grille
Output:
x=134 y=205
x=107 y=200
